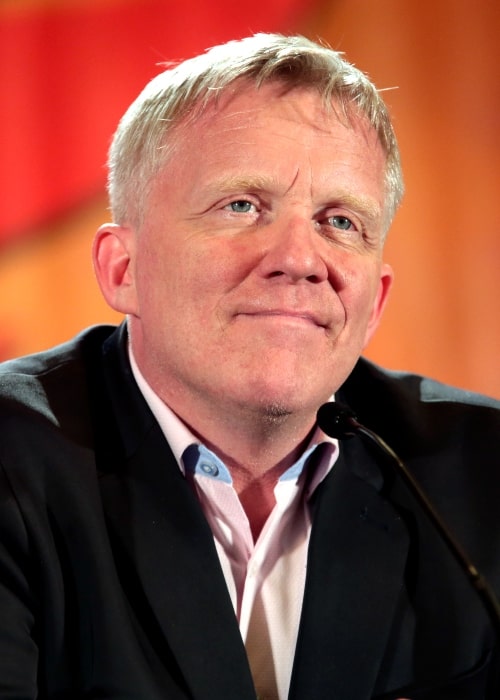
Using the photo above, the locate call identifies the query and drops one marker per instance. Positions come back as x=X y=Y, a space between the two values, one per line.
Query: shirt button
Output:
x=210 y=469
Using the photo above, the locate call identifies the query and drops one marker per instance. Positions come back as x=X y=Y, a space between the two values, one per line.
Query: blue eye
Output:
x=341 y=222
x=241 y=206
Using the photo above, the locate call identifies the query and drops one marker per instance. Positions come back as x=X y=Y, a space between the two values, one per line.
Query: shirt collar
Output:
x=192 y=456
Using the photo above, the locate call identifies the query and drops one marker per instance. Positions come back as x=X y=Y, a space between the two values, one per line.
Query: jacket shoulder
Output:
x=411 y=386
x=412 y=409
x=51 y=385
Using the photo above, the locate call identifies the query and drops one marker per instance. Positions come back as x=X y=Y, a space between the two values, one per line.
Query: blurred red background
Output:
x=69 y=68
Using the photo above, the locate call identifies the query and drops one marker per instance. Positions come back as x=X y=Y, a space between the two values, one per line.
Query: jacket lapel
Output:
x=356 y=563
x=159 y=529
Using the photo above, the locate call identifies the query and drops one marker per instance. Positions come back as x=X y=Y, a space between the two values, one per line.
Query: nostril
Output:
x=313 y=278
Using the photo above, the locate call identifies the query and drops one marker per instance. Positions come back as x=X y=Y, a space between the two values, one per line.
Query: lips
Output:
x=306 y=315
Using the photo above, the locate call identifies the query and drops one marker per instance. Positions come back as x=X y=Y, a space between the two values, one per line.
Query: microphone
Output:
x=340 y=422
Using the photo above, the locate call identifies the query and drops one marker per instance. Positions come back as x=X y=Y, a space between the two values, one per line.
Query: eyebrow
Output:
x=243 y=183
x=365 y=206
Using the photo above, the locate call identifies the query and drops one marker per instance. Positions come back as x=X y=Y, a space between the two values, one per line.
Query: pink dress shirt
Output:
x=266 y=578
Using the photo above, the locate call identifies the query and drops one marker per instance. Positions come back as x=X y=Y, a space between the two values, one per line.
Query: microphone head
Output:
x=336 y=420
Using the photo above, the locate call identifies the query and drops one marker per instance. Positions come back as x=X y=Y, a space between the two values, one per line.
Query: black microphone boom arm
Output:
x=340 y=422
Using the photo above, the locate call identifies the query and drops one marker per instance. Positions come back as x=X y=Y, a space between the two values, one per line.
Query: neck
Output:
x=256 y=443
x=256 y=448
x=256 y=452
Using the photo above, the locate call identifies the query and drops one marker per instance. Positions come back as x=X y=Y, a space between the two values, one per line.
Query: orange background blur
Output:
x=69 y=68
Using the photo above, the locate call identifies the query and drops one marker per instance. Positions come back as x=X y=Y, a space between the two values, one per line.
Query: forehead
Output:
x=243 y=102
x=276 y=134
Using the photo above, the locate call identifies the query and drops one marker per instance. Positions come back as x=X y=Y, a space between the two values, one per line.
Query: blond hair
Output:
x=141 y=146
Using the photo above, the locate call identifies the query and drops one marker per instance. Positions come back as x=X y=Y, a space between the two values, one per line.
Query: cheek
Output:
x=219 y=267
x=359 y=294
x=183 y=285
x=157 y=282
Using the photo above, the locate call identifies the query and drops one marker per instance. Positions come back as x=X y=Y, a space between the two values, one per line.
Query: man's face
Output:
x=257 y=274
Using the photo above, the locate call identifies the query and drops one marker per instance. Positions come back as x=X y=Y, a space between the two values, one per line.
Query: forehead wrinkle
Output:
x=250 y=111
x=248 y=118
x=294 y=180
x=229 y=120
x=255 y=182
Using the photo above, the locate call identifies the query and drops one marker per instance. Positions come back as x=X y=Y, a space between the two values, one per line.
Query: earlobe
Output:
x=385 y=283
x=113 y=255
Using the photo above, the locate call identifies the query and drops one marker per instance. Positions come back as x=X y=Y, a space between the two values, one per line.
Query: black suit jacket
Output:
x=110 y=584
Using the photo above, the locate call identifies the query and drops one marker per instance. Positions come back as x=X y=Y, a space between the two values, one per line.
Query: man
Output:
x=174 y=522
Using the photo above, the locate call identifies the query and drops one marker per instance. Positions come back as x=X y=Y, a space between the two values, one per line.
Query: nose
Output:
x=292 y=249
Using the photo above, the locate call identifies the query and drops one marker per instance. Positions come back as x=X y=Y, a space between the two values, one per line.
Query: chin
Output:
x=276 y=412
x=277 y=405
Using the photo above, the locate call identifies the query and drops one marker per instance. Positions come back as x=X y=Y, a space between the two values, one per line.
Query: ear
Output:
x=385 y=283
x=113 y=255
